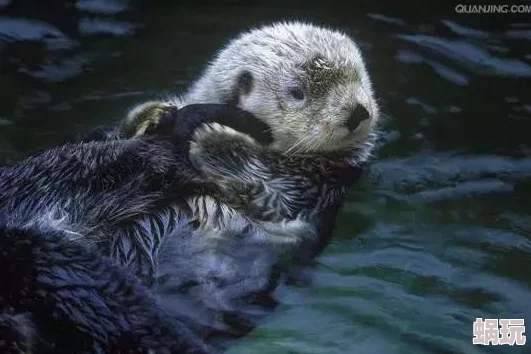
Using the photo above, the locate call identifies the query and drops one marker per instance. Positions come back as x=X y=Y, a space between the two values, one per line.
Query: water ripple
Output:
x=102 y=6
x=387 y=19
x=466 y=31
x=423 y=171
x=470 y=56
x=23 y=29
x=96 y=26
x=60 y=70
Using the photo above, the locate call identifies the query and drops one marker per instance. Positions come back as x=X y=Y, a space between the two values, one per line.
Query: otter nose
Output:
x=359 y=114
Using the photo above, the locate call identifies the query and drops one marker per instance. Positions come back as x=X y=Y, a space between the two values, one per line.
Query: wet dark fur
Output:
x=229 y=282
x=73 y=298
x=59 y=296
x=92 y=190
x=62 y=211
x=125 y=199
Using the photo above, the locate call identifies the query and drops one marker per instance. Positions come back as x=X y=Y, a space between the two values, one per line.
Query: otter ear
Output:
x=243 y=86
x=245 y=83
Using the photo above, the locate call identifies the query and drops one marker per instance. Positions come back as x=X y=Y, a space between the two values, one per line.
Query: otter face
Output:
x=315 y=105
x=309 y=84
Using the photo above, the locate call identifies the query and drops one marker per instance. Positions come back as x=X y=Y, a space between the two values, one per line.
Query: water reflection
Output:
x=23 y=29
x=474 y=58
x=93 y=26
x=102 y=6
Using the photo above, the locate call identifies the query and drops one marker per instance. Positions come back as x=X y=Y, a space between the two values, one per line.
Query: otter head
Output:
x=308 y=84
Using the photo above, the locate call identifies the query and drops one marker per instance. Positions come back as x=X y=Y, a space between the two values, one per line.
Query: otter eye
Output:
x=297 y=93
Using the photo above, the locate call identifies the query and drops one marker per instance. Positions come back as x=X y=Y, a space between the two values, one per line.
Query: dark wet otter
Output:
x=310 y=85
x=65 y=254
x=129 y=200
x=267 y=215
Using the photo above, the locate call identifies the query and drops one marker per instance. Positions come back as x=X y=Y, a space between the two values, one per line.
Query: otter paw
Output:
x=221 y=152
x=145 y=118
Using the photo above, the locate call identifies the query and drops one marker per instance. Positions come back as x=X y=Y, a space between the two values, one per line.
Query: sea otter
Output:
x=63 y=209
x=310 y=86
x=271 y=207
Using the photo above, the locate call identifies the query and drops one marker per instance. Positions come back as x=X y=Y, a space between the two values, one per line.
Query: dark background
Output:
x=440 y=231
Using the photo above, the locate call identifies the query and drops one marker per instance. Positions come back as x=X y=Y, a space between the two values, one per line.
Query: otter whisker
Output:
x=309 y=144
x=306 y=144
x=326 y=140
x=296 y=144
x=316 y=144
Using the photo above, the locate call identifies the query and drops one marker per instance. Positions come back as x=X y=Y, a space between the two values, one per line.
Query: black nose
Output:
x=359 y=114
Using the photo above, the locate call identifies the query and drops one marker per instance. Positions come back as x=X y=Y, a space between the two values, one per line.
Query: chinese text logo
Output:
x=507 y=331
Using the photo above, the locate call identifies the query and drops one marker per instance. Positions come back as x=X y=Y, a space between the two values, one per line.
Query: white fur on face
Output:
x=277 y=56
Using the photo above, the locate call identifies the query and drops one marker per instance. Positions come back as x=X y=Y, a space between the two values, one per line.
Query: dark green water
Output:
x=440 y=231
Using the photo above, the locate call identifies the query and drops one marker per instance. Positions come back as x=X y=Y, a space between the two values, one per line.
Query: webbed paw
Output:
x=223 y=154
x=145 y=118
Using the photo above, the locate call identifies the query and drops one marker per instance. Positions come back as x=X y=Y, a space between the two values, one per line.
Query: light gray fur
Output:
x=328 y=67
x=275 y=205
x=279 y=57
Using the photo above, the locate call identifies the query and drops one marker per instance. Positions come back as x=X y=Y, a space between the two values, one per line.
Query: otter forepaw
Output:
x=221 y=152
x=216 y=133
x=145 y=118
